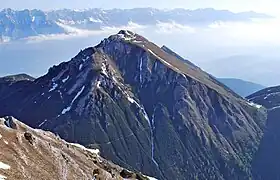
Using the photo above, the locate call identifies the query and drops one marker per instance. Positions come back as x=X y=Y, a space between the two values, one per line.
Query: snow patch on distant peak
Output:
x=67 y=109
x=127 y=35
x=255 y=105
x=137 y=42
x=54 y=86
x=56 y=78
x=104 y=69
x=144 y=113
x=152 y=128
x=85 y=59
x=78 y=94
x=275 y=107
x=150 y=122
x=94 y=151
x=66 y=79
x=151 y=178
x=140 y=69
x=133 y=101
x=42 y=123
x=91 y=19
x=98 y=83
x=80 y=67
x=271 y=94
x=5 y=39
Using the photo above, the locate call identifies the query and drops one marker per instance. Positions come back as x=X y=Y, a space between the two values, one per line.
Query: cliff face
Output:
x=145 y=109
x=267 y=159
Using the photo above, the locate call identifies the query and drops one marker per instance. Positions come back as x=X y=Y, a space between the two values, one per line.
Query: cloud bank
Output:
x=227 y=33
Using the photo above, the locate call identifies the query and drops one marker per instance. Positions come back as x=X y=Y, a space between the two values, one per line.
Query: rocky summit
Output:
x=145 y=109
x=28 y=153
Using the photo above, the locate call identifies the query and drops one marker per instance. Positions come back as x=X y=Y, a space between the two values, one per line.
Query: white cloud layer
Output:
x=262 y=31
x=228 y=33
x=173 y=27
x=253 y=44
x=72 y=32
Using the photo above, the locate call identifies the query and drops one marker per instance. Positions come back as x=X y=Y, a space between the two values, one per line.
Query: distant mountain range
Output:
x=241 y=87
x=22 y=24
x=243 y=66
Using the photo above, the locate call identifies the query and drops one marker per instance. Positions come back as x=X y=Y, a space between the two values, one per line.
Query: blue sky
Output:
x=267 y=6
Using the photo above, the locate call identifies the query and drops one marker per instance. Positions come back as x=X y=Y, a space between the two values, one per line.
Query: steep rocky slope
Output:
x=28 y=153
x=268 y=97
x=267 y=160
x=145 y=109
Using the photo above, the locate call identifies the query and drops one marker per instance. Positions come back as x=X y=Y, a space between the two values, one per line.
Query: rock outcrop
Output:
x=49 y=157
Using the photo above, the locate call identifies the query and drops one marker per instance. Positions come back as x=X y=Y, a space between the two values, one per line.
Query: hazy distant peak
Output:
x=17 y=77
x=241 y=87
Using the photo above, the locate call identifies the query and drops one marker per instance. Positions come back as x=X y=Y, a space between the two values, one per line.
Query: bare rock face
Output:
x=126 y=174
x=9 y=122
x=50 y=157
x=145 y=108
x=28 y=136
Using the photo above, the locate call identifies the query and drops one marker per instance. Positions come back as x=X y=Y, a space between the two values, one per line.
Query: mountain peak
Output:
x=127 y=94
x=142 y=59
x=126 y=33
